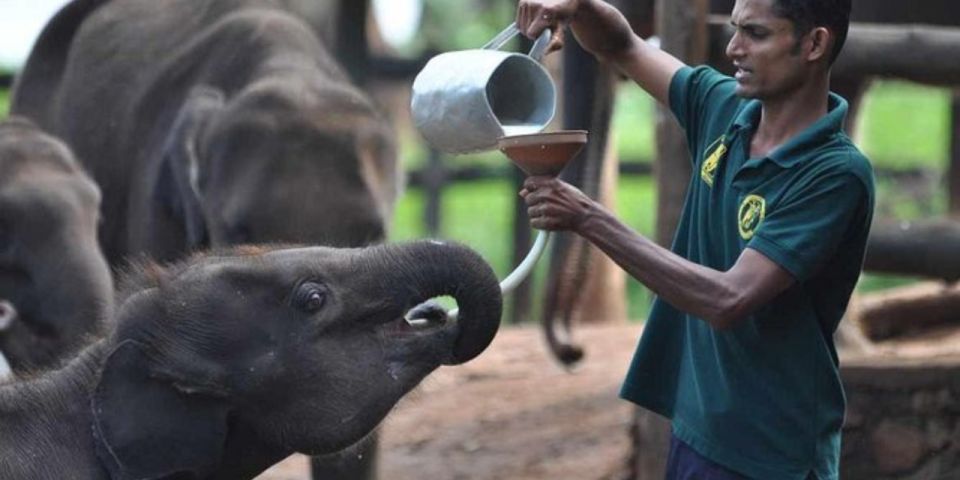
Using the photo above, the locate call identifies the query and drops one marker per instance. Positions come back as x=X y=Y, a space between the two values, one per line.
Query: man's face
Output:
x=764 y=51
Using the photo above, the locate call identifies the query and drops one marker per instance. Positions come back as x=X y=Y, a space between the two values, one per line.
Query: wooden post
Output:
x=682 y=26
x=352 y=49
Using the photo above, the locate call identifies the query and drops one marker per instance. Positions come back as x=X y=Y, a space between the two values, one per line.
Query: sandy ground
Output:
x=512 y=413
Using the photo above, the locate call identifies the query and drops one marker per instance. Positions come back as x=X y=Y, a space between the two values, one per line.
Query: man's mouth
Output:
x=742 y=73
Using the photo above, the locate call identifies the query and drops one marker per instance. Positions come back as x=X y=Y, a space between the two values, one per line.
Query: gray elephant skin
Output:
x=222 y=365
x=55 y=286
x=211 y=122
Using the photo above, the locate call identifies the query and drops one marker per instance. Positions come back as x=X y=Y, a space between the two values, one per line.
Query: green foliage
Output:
x=4 y=102
x=906 y=125
x=633 y=121
x=460 y=25
x=479 y=214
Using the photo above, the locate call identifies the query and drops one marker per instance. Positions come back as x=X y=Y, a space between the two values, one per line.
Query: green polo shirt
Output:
x=763 y=398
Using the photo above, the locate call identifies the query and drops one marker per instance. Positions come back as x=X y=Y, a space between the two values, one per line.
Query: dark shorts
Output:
x=684 y=463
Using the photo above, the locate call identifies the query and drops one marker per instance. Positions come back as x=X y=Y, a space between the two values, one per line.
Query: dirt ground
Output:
x=513 y=413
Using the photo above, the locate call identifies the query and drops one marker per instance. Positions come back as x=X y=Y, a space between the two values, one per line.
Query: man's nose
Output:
x=734 y=47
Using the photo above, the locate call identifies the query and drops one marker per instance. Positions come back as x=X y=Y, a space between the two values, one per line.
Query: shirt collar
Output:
x=795 y=149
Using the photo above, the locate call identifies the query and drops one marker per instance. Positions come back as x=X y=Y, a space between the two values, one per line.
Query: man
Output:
x=738 y=349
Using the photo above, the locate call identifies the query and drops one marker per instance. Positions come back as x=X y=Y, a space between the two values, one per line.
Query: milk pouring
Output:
x=465 y=101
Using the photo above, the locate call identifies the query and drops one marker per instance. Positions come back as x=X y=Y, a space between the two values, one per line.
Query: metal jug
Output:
x=464 y=101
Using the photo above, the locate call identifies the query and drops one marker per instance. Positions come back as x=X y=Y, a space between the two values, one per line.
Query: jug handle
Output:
x=538 y=50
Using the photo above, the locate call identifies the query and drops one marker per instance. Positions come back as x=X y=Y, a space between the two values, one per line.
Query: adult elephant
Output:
x=211 y=122
x=55 y=286
x=223 y=365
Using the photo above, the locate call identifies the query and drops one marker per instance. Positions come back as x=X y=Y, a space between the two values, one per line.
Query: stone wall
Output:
x=903 y=422
x=903 y=419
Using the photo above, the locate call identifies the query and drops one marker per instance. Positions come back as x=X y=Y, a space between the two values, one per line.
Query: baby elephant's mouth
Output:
x=423 y=319
x=8 y=314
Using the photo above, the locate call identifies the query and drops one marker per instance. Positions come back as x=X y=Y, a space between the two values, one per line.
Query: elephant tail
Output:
x=40 y=79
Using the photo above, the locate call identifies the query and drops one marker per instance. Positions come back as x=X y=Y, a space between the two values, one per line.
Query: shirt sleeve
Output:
x=809 y=224
x=698 y=97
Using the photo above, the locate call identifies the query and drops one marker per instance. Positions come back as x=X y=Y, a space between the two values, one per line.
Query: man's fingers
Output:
x=556 y=41
x=522 y=16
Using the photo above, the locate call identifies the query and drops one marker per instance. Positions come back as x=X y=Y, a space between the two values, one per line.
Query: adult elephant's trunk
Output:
x=418 y=271
x=65 y=297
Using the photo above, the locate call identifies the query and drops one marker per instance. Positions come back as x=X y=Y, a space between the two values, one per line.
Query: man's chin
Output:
x=744 y=92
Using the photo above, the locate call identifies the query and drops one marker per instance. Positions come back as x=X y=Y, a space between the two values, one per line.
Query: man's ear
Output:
x=819 y=44
x=148 y=426
x=176 y=186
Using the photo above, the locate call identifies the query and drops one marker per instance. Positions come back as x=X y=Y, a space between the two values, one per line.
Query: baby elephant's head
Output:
x=261 y=353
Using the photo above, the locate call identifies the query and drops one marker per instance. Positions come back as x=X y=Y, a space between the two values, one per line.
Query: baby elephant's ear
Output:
x=148 y=428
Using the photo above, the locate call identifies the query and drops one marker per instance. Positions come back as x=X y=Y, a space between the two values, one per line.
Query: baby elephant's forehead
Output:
x=301 y=257
x=270 y=264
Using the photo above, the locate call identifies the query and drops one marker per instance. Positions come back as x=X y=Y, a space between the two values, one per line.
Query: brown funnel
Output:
x=543 y=153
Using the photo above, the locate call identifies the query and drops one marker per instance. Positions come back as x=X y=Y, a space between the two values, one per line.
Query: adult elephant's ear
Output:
x=146 y=426
x=177 y=187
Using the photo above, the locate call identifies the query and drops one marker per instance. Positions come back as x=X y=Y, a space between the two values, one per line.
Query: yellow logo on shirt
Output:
x=752 y=210
x=709 y=169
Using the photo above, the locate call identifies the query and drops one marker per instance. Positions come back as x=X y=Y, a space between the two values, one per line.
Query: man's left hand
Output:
x=553 y=204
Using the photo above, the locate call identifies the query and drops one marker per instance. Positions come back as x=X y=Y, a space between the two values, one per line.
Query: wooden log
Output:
x=921 y=53
x=909 y=309
x=929 y=248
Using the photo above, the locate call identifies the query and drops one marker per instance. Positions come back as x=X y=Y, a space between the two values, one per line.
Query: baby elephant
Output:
x=55 y=286
x=221 y=366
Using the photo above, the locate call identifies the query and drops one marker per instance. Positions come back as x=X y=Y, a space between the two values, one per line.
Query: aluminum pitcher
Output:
x=464 y=101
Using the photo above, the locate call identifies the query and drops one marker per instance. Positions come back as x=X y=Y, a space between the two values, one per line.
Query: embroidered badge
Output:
x=752 y=210
x=709 y=169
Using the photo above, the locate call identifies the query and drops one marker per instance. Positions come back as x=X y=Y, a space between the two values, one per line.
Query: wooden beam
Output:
x=909 y=309
x=920 y=53
x=926 y=248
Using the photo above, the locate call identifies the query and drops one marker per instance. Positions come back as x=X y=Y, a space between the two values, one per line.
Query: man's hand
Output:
x=533 y=16
x=555 y=205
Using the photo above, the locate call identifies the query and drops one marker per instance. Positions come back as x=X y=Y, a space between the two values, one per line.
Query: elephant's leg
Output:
x=357 y=463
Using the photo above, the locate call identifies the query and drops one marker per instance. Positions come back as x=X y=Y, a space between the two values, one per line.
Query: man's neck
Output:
x=783 y=118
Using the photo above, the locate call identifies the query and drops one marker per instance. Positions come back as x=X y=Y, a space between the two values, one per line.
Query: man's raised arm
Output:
x=604 y=32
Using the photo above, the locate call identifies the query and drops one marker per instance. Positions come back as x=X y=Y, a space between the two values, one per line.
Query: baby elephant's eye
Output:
x=311 y=297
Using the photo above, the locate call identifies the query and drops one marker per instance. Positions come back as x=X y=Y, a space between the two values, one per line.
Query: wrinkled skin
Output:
x=211 y=123
x=55 y=286
x=224 y=365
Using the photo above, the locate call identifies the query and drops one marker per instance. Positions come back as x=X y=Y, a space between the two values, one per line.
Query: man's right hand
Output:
x=533 y=16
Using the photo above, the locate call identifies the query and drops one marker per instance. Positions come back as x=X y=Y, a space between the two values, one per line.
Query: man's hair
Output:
x=809 y=14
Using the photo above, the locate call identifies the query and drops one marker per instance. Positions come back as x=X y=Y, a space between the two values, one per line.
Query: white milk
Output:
x=521 y=129
x=5 y=371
